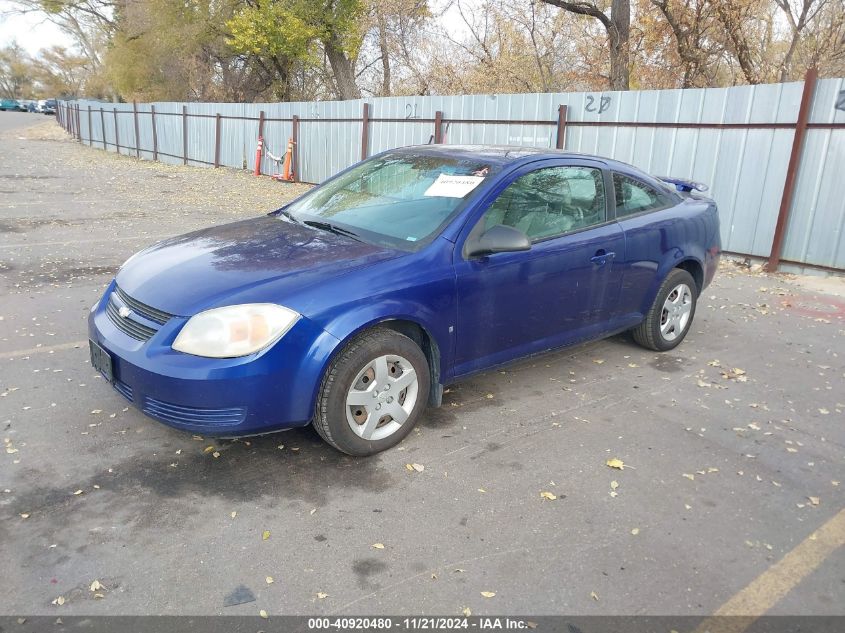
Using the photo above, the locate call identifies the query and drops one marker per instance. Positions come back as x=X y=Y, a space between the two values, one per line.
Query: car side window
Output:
x=549 y=202
x=633 y=196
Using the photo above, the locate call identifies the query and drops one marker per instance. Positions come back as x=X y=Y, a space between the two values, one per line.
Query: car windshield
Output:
x=398 y=199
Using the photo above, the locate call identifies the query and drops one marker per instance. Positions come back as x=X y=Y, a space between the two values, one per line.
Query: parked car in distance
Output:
x=10 y=104
x=46 y=106
x=353 y=306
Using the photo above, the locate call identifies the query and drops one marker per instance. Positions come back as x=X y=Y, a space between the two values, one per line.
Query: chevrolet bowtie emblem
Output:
x=124 y=312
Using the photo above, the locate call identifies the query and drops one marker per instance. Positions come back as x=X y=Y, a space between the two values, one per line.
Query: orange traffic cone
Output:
x=287 y=169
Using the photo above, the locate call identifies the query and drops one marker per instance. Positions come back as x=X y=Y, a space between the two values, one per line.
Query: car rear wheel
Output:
x=671 y=314
x=373 y=393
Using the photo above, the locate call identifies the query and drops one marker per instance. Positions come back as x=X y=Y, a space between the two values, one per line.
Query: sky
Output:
x=32 y=32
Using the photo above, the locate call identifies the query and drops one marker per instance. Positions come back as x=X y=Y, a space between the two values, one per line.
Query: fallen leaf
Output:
x=594 y=596
x=265 y=535
x=548 y=495
x=24 y=515
x=321 y=595
x=615 y=462
x=98 y=596
x=482 y=490
x=635 y=531
x=59 y=601
x=418 y=467
x=263 y=614
x=313 y=510
x=598 y=361
x=614 y=485
x=467 y=611
x=208 y=449
x=824 y=411
x=488 y=594
x=269 y=580
x=96 y=586
x=814 y=500
x=378 y=545
x=215 y=454
x=490 y=396
x=688 y=476
x=78 y=492
x=234 y=514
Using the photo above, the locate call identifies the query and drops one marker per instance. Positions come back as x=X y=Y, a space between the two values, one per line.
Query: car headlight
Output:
x=235 y=330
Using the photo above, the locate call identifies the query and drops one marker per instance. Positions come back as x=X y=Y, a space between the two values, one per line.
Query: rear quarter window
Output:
x=634 y=196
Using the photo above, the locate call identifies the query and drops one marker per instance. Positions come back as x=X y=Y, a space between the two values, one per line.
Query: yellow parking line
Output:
x=42 y=350
x=773 y=584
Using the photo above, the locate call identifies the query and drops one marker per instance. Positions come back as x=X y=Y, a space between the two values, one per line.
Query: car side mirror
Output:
x=499 y=239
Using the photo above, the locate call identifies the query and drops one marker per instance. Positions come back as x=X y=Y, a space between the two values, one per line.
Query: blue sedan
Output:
x=352 y=307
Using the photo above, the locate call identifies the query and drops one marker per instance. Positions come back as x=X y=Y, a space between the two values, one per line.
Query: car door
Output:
x=561 y=290
x=645 y=215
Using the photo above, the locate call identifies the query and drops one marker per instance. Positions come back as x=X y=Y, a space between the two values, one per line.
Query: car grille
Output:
x=179 y=415
x=152 y=314
x=130 y=326
x=123 y=389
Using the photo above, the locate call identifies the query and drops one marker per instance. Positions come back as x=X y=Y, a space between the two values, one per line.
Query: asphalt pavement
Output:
x=732 y=447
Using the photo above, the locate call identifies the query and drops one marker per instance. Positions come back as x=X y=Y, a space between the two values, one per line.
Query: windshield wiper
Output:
x=326 y=226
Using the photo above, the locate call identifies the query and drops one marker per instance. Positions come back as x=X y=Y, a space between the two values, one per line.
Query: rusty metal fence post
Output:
x=792 y=169
x=438 y=127
x=294 y=157
x=103 y=126
x=365 y=130
x=155 y=134
x=184 y=135
x=116 y=133
x=137 y=142
x=561 y=127
x=217 y=140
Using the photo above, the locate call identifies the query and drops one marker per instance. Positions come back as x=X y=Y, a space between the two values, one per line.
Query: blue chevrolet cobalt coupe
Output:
x=353 y=306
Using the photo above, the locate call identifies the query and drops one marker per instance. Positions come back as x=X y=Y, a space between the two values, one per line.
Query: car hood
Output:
x=264 y=259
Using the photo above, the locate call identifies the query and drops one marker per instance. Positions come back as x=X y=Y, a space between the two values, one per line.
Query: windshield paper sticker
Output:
x=448 y=186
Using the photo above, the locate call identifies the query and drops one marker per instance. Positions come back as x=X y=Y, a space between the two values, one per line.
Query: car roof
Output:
x=508 y=154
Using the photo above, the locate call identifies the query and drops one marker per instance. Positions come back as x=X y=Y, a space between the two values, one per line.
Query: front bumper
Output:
x=271 y=390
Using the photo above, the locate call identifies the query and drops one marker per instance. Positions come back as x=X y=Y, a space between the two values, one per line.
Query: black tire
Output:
x=330 y=417
x=648 y=333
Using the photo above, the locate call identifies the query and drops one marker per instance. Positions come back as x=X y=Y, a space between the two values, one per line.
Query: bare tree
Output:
x=618 y=27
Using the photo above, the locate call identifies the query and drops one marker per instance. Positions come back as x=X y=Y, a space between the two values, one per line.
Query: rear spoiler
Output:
x=683 y=184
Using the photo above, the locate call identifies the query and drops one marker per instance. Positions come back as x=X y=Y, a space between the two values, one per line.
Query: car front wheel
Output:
x=671 y=314
x=373 y=393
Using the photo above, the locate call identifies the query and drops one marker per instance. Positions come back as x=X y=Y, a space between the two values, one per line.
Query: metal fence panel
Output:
x=737 y=140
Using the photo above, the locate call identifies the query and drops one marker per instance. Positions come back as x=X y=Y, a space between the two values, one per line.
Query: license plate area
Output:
x=101 y=361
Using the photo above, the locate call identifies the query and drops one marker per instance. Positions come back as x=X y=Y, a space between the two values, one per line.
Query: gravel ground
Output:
x=733 y=447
